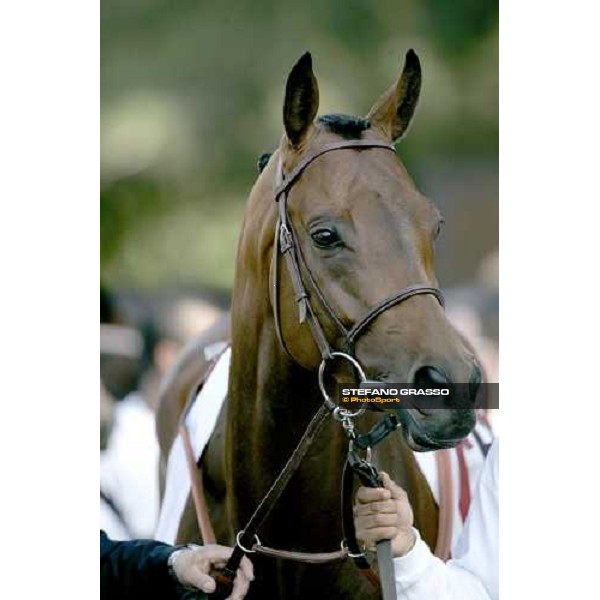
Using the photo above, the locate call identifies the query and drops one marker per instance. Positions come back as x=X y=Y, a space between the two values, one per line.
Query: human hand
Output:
x=192 y=568
x=384 y=513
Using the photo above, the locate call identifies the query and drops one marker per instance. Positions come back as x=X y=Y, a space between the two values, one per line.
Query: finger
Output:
x=376 y=535
x=395 y=490
x=201 y=580
x=215 y=553
x=240 y=586
x=247 y=568
x=365 y=495
x=384 y=506
x=380 y=520
x=370 y=544
x=218 y=563
x=365 y=539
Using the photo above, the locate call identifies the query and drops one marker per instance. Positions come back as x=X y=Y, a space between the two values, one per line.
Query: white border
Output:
x=549 y=326
x=49 y=248
x=549 y=215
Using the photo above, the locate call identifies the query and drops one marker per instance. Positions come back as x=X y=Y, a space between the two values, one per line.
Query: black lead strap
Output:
x=378 y=433
x=369 y=476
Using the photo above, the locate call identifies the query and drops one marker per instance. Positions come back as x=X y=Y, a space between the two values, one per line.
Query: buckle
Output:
x=344 y=547
x=285 y=238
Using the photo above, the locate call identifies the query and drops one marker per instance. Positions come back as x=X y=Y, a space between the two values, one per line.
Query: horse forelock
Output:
x=346 y=126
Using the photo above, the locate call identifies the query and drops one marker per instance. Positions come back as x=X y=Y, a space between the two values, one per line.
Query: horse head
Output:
x=363 y=231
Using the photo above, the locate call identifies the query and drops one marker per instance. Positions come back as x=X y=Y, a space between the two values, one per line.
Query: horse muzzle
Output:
x=436 y=428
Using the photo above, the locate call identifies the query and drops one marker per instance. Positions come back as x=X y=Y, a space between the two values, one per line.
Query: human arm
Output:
x=385 y=513
x=134 y=568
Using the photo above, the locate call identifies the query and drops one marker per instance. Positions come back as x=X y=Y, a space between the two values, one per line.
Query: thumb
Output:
x=203 y=581
x=388 y=483
x=385 y=480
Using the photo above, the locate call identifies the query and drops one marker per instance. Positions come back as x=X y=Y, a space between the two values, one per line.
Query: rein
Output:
x=247 y=541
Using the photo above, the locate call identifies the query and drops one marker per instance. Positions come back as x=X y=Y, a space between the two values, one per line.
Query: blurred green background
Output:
x=192 y=93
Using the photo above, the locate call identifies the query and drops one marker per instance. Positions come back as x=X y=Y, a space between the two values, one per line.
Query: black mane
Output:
x=348 y=127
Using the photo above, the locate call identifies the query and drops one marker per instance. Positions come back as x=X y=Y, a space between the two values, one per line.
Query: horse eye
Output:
x=325 y=237
x=438 y=229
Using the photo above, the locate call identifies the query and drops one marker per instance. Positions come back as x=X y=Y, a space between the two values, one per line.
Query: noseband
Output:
x=296 y=264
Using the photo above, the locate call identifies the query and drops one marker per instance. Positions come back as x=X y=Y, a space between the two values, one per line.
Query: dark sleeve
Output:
x=135 y=569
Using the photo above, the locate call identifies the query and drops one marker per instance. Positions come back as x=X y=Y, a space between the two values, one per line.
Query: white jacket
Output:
x=472 y=574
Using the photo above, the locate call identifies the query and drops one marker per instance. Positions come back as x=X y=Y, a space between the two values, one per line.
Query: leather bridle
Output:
x=286 y=244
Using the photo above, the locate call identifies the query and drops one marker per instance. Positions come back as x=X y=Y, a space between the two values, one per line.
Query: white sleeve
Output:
x=473 y=572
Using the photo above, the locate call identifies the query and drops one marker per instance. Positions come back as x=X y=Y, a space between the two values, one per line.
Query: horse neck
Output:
x=271 y=397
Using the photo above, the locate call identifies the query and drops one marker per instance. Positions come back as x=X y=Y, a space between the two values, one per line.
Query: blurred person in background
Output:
x=106 y=416
x=129 y=464
x=473 y=310
x=121 y=347
x=120 y=351
x=111 y=516
x=466 y=318
x=134 y=360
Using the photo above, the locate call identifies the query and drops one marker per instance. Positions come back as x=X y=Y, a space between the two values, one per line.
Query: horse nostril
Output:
x=430 y=375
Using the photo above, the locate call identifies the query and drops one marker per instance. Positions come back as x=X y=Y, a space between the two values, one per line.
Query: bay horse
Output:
x=364 y=232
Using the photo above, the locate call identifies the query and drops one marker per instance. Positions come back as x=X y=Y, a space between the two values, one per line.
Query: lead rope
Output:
x=446 y=505
x=202 y=516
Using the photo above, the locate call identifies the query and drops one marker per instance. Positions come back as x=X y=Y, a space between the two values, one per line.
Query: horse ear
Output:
x=393 y=112
x=301 y=100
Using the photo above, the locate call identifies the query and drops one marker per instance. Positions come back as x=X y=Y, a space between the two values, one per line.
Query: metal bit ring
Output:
x=338 y=412
x=239 y=543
